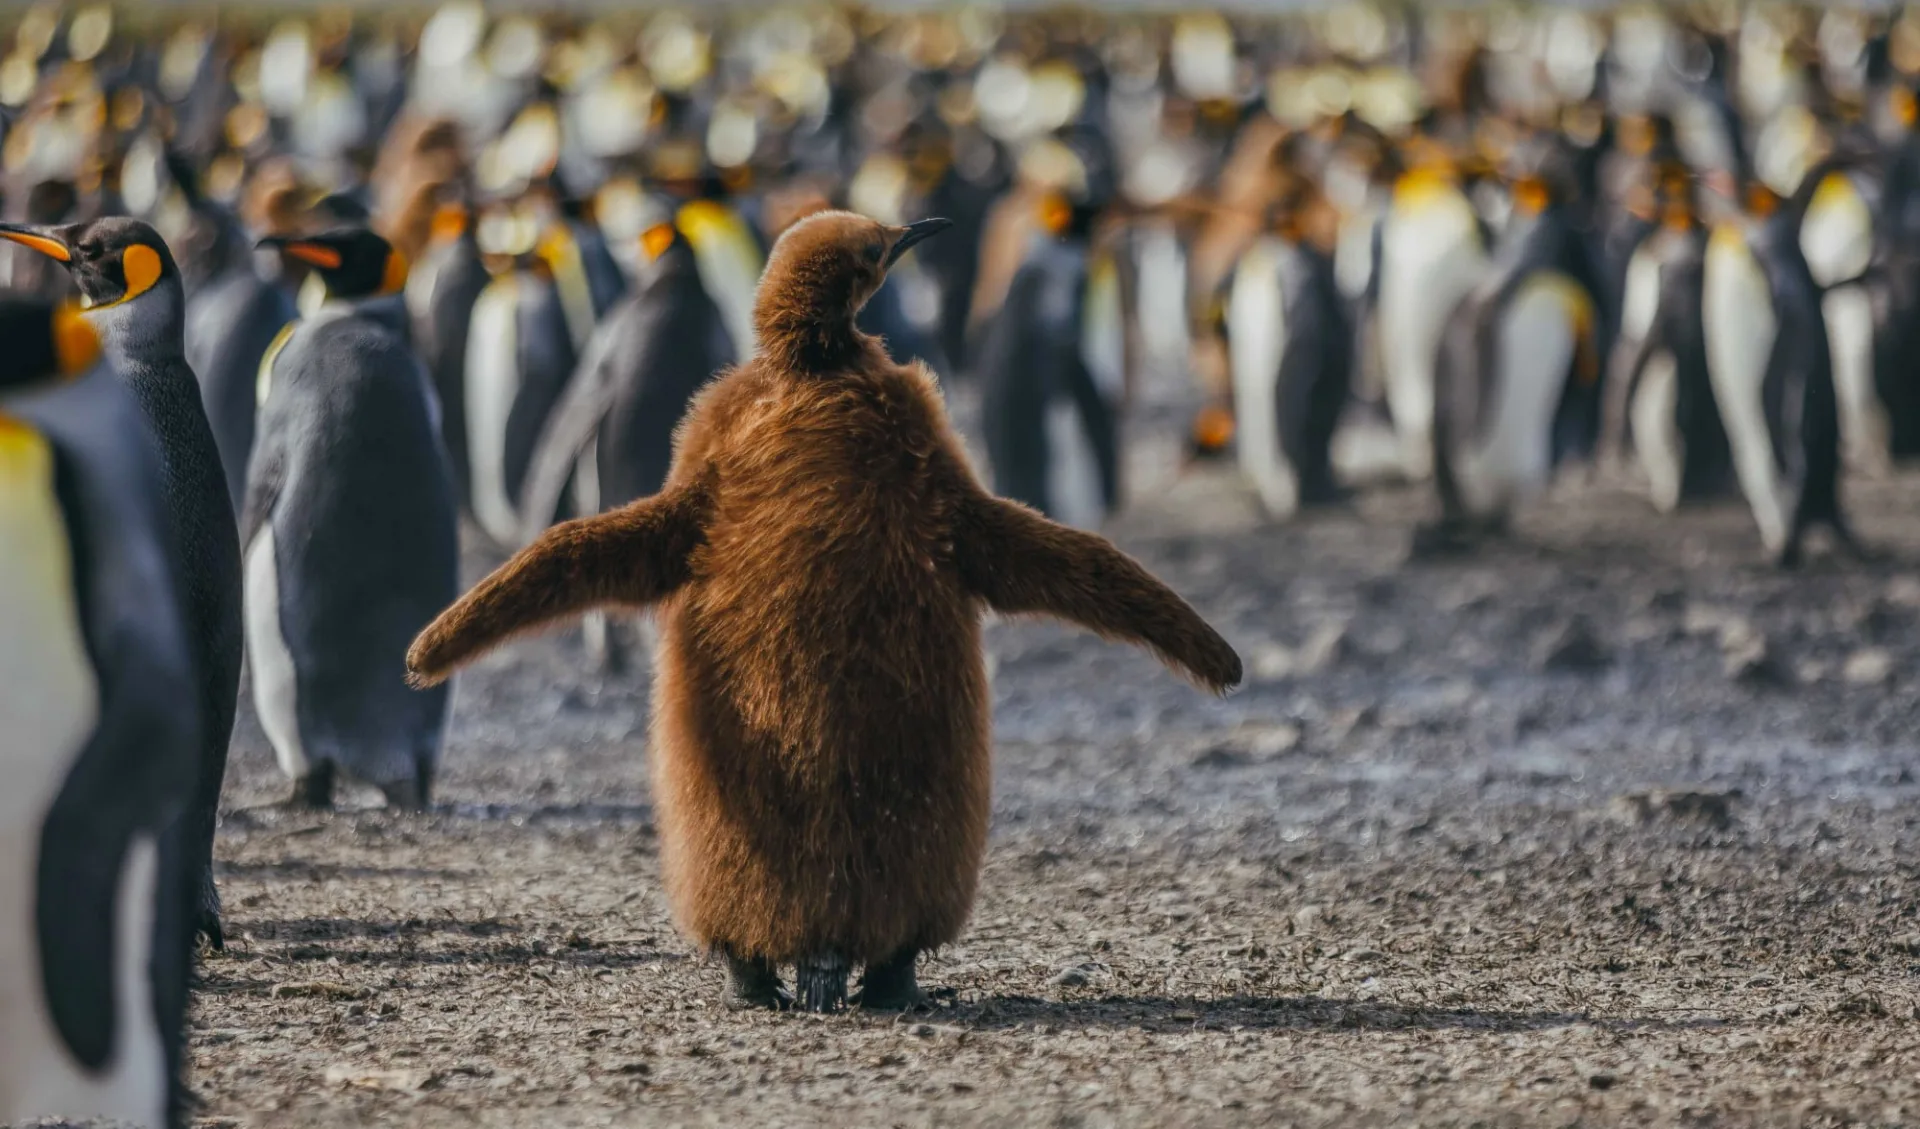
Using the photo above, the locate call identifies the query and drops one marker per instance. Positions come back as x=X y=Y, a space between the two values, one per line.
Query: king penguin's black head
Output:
x=114 y=260
x=354 y=262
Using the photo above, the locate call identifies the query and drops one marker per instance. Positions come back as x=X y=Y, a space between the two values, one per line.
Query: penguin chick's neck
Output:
x=803 y=318
x=149 y=328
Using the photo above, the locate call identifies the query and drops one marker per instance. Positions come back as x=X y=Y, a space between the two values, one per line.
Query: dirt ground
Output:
x=1607 y=825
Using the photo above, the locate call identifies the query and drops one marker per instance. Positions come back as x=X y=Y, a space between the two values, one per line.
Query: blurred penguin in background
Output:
x=1050 y=370
x=350 y=534
x=611 y=435
x=1290 y=350
x=135 y=302
x=103 y=743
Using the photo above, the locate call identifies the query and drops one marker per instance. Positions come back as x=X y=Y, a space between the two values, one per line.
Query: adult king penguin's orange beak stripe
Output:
x=914 y=233
x=36 y=240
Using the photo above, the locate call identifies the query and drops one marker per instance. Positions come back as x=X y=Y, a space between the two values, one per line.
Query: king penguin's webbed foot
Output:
x=315 y=789
x=206 y=912
x=410 y=794
x=753 y=983
x=890 y=985
x=820 y=982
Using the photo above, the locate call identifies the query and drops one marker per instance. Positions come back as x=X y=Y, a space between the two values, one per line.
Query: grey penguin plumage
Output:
x=231 y=323
x=351 y=540
x=136 y=303
x=97 y=679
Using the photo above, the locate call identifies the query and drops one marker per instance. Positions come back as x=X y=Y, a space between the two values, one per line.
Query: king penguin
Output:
x=612 y=432
x=133 y=299
x=1659 y=390
x=1517 y=377
x=1432 y=251
x=1050 y=406
x=520 y=355
x=1772 y=372
x=441 y=292
x=1290 y=351
x=350 y=534
x=103 y=742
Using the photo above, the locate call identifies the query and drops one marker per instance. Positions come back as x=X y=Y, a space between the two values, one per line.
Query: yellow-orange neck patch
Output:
x=656 y=239
x=393 y=279
x=75 y=344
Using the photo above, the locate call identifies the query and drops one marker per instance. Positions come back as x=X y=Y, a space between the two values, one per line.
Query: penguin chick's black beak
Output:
x=914 y=233
x=37 y=239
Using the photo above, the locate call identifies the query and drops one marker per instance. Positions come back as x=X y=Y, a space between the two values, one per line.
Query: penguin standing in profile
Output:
x=611 y=435
x=520 y=355
x=1290 y=350
x=103 y=742
x=1432 y=251
x=821 y=555
x=1517 y=377
x=350 y=533
x=134 y=300
x=1772 y=371
x=1051 y=422
x=441 y=292
x=1660 y=388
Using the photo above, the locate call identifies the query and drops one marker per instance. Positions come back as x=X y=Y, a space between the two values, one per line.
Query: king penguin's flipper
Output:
x=1019 y=563
x=636 y=555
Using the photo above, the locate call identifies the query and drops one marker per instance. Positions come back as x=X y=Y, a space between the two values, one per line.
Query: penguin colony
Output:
x=277 y=330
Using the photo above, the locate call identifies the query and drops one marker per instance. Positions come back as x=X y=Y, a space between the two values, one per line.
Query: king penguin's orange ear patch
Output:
x=315 y=254
x=141 y=265
x=656 y=239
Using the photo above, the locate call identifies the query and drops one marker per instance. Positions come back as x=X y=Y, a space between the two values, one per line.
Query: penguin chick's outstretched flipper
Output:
x=636 y=555
x=1020 y=563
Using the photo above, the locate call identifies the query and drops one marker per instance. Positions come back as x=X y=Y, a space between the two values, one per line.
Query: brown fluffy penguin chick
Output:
x=820 y=558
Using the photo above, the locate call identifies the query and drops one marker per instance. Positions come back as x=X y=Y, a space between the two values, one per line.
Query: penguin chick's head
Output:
x=115 y=261
x=44 y=339
x=821 y=271
x=354 y=262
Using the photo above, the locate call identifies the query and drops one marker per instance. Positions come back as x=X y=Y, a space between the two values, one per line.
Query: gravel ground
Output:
x=1605 y=825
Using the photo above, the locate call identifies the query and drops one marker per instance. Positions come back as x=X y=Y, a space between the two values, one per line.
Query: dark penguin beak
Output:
x=39 y=239
x=915 y=233
x=309 y=251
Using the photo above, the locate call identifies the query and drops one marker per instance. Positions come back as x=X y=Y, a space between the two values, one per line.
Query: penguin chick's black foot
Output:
x=315 y=789
x=891 y=984
x=820 y=982
x=206 y=913
x=754 y=984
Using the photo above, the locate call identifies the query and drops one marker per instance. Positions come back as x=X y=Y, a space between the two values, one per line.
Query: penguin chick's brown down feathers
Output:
x=820 y=558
